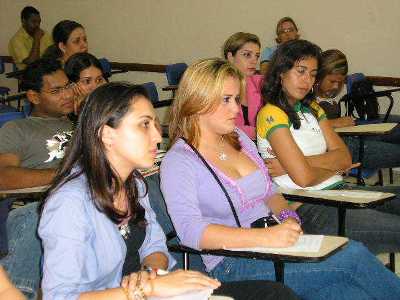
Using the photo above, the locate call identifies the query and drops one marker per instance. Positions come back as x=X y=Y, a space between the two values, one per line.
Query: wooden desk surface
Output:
x=367 y=129
x=360 y=198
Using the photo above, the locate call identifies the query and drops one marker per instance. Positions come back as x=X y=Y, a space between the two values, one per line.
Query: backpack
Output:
x=361 y=98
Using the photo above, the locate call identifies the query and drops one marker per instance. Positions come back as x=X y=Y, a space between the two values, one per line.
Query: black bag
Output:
x=362 y=100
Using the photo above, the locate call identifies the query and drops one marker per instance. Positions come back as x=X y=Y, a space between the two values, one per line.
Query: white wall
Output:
x=161 y=31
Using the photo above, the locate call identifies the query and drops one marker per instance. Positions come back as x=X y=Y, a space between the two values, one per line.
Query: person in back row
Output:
x=69 y=38
x=301 y=150
x=242 y=49
x=286 y=30
x=86 y=72
x=379 y=152
x=30 y=41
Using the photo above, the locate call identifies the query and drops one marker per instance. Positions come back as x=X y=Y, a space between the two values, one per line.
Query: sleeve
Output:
x=18 y=50
x=267 y=54
x=65 y=231
x=45 y=42
x=179 y=186
x=155 y=240
x=321 y=115
x=13 y=140
x=270 y=118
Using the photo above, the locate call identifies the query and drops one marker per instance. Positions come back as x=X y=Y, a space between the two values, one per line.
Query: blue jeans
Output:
x=23 y=260
x=352 y=273
x=377 y=154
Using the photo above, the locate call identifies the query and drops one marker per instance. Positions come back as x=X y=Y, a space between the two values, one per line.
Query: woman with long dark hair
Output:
x=98 y=197
x=301 y=150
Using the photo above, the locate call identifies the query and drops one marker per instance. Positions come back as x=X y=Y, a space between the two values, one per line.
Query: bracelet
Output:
x=287 y=213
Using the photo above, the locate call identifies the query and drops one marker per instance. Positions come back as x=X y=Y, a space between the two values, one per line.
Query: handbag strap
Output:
x=218 y=181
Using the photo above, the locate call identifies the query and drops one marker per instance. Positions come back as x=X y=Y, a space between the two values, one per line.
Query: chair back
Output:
x=151 y=91
x=174 y=72
x=106 y=66
x=158 y=205
x=5 y=117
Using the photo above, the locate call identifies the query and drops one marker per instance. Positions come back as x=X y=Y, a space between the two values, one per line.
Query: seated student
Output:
x=243 y=50
x=286 y=30
x=302 y=150
x=99 y=198
x=29 y=147
x=69 y=38
x=204 y=111
x=85 y=70
x=30 y=41
x=329 y=83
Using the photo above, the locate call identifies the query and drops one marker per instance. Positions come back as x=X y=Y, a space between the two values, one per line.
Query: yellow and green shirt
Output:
x=309 y=137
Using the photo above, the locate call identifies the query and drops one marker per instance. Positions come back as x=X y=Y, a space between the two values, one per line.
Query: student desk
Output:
x=330 y=245
x=361 y=131
x=31 y=190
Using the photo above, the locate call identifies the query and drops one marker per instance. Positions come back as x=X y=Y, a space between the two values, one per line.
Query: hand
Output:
x=80 y=94
x=37 y=35
x=345 y=122
x=180 y=282
x=132 y=283
x=283 y=235
x=274 y=167
x=346 y=171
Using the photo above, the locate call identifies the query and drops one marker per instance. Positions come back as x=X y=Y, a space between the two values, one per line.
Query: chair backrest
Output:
x=158 y=205
x=151 y=91
x=174 y=72
x=5 y=117
x=106 y=66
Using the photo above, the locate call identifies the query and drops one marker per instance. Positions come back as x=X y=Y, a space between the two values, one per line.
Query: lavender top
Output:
x=195 y=200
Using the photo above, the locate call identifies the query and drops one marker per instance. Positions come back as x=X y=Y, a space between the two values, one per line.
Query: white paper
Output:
x=195 y=295
x=305 y=243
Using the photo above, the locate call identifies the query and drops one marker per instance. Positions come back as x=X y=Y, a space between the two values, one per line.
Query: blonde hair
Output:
x=200 y=91
x=237 y=41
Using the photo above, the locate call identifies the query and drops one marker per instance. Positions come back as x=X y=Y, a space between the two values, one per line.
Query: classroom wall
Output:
x=162 y=32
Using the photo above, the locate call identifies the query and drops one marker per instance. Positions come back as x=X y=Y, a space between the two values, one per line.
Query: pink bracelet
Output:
x=287 y=213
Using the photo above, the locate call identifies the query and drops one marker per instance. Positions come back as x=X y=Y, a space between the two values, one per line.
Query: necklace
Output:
x=222 y=155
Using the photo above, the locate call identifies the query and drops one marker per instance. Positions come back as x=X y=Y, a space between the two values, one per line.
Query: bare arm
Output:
x=291 y=158
x=7 y=290
x=34 y=53
x=15 y=177
x=342 y=122
x=337 y=157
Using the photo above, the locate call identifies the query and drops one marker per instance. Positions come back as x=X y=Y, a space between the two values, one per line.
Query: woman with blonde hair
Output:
x=218 y=192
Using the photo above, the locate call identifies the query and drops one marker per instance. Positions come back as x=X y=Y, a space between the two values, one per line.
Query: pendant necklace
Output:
x=222 y=155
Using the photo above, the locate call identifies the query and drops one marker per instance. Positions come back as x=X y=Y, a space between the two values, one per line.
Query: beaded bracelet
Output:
x=287 y=213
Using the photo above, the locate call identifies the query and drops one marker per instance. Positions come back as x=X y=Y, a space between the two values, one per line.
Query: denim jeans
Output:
x=377 y=154
x=23 y=260
x=352 y=273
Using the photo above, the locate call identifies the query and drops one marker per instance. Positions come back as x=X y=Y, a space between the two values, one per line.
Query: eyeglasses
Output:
x=287 y=30
x=58 y=91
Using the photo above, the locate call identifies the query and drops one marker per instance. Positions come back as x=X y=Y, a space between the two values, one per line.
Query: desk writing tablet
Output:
x=368 y=129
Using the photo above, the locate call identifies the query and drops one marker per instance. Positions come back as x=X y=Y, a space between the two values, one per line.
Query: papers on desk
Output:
x=195 y=295
x=306 y=243
x=347 y=194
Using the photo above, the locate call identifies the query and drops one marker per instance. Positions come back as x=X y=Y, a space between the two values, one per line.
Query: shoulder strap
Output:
x=218 y=181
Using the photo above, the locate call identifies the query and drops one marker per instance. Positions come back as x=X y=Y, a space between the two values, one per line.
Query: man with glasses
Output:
x=31 y=148
x=286 y=30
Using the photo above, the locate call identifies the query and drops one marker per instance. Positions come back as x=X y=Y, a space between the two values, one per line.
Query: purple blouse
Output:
x=195 y=200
